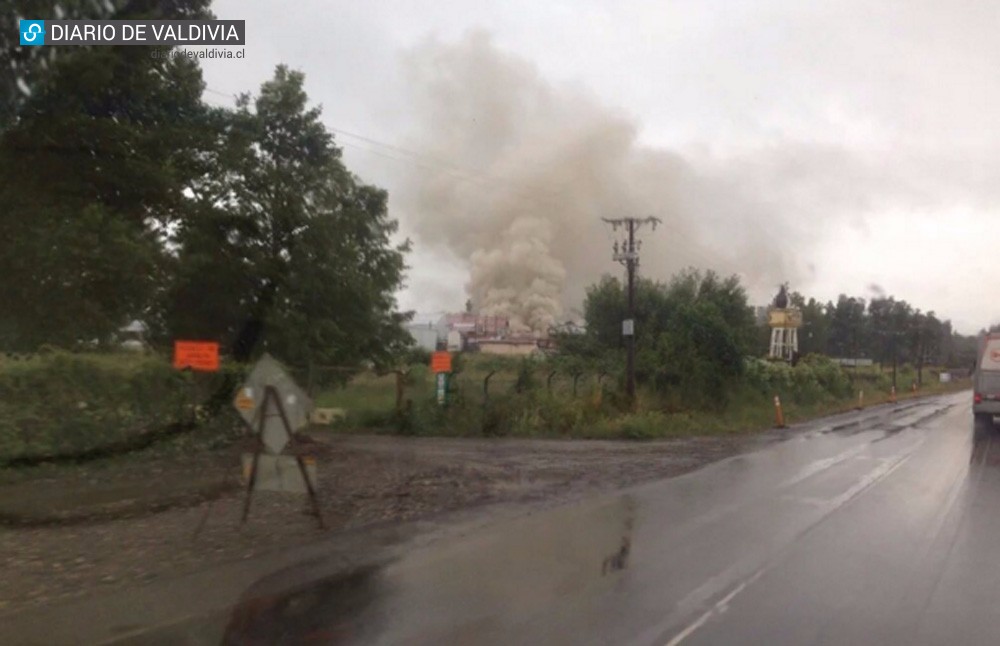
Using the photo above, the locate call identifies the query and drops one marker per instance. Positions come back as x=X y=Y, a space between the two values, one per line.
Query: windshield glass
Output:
x=496 y=322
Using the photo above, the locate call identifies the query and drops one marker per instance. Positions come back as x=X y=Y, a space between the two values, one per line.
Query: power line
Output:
x=428 y=163
x=424 y=162
x=226 y=94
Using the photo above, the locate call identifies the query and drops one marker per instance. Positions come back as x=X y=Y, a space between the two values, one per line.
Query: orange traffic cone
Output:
x=779 y=416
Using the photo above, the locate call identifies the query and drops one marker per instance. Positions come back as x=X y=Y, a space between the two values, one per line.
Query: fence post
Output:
x=600 y=386
x=192 y=396
x=486 y=400
x=486 y=387
x=400 y=379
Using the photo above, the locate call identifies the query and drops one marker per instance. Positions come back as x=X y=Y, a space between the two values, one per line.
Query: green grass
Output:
x=59 y=405
x=739 y=418
x=120 y=361
x=370 y=404
x=370 y=399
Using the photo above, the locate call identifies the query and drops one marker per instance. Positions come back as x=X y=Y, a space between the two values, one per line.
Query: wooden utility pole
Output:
x=627 y=253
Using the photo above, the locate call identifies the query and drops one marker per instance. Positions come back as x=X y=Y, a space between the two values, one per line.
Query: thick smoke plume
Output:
x=524 y=170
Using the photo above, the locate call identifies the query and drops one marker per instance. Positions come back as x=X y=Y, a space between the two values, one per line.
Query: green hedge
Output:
x=815 y=379
x=60 y=404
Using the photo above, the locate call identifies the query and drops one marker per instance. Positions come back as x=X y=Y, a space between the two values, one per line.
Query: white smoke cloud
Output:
x=525 y=169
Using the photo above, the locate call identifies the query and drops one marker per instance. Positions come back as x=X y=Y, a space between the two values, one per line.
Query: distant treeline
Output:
x=880 y=329
x=695 y=333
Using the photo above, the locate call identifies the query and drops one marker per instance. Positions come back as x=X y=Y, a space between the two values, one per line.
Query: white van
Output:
x=986 y=381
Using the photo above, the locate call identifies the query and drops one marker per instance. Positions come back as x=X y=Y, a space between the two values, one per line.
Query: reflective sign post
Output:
x=442 y=388
x=441 y=366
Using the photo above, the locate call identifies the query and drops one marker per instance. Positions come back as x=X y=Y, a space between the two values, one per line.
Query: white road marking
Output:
x=720 y=606
x=886 y=467
x=816 y=466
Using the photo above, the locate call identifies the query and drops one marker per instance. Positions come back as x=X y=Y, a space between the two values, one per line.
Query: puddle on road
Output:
x=466 y=588
x=292 y=607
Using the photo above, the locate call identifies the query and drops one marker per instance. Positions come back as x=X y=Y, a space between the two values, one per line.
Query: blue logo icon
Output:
x=32 y=32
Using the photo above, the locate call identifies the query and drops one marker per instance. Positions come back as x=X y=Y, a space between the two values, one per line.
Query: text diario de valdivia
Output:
x=146 y=32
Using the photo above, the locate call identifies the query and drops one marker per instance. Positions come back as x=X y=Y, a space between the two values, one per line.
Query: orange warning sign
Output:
x=197 y=355
x=244 y=399
x=441 y=362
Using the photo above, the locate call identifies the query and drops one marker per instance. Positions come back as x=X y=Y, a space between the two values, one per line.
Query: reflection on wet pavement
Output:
x=885 y=533
x=510 y=574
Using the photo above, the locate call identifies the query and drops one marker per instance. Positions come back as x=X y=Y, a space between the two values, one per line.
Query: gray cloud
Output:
x=831 y=145
x=532 y=166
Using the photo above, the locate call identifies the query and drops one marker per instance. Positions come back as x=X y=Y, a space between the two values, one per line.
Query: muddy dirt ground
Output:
x=132 y=521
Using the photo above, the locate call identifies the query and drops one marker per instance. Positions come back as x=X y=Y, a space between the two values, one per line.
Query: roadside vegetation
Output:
x=815 y=386
x=128 y=197
x=60 y=406
x=64 y=407
x=698 y=367
x=698 y=370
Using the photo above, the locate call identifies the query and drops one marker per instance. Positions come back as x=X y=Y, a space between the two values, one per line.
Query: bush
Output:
x=815 y=379
x=61 y=404
x=417 y=356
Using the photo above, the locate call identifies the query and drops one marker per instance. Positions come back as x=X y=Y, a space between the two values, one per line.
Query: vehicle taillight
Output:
x=977 y=398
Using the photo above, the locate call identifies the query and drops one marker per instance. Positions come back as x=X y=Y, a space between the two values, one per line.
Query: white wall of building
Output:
x=425 y=336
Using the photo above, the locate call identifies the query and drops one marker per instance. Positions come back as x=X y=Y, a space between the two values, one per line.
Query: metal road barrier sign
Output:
x=249 y=402
x=274 y=407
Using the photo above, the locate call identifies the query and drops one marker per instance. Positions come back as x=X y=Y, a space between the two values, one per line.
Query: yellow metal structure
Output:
x=787 y=318
x=785 y=323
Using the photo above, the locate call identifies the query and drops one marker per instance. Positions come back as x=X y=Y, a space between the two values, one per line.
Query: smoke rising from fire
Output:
x=525 y=169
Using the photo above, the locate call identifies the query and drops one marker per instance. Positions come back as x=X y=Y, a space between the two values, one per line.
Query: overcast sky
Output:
x=855 y=143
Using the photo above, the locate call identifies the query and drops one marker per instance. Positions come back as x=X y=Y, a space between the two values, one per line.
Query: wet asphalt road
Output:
x=874 y=528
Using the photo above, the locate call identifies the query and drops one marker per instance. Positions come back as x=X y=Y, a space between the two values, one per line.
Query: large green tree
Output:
x=94 y=153
x=692 y=333
x=29 y=67
x=286 y=250
x=848 y=327
x=815 y=332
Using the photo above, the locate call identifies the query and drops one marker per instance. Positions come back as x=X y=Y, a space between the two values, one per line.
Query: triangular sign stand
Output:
x=271 y=394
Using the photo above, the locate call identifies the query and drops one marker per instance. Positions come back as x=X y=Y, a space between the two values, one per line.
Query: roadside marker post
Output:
x=861 y=399
x=892 y=395
x=441 y=367
x=442 y=388
x=779 y=415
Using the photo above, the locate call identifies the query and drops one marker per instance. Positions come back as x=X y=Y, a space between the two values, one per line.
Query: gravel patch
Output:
x=364 y=480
